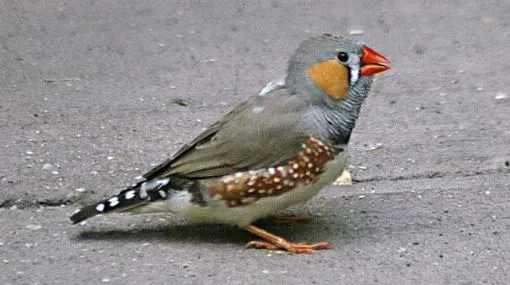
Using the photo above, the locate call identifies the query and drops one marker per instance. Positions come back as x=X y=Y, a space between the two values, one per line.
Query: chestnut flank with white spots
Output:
x=247 y=187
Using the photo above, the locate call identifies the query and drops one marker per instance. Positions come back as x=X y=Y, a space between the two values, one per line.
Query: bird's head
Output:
x=329 y=66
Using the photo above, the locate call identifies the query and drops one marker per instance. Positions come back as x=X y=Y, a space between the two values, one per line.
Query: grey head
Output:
x=333 y=76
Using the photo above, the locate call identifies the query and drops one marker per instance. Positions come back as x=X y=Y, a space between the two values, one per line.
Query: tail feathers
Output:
x=126 y=200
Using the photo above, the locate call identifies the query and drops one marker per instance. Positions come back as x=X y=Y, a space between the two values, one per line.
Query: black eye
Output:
x=342 y=56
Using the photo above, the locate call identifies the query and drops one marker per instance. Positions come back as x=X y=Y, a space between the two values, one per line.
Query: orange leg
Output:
x=271 y=241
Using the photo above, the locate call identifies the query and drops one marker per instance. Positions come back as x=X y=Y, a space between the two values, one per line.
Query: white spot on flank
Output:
x=130 y=194
x=100 y=208
x=248 y=200
x=114 y=201
x=282 y=171
x=162 y=194
x=227 y=179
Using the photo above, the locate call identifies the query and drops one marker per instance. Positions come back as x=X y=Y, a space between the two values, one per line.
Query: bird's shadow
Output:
x=204 y=233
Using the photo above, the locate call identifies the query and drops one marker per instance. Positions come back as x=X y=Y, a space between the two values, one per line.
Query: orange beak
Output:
x=372 y=62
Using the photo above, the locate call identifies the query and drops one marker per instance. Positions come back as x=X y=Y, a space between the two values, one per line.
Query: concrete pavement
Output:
x=88 y=102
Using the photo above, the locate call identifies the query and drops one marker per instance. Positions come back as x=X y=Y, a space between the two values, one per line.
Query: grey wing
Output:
x=261 y=132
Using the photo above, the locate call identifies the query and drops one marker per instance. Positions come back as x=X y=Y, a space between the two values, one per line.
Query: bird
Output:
x=274 y=150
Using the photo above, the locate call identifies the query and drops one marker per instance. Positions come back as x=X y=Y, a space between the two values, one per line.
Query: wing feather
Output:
x=261 y=132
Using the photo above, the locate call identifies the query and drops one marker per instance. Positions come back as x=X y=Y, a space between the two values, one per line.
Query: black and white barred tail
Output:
x=127 y=200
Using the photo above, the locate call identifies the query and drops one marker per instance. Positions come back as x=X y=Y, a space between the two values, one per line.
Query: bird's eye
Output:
x=342 y=56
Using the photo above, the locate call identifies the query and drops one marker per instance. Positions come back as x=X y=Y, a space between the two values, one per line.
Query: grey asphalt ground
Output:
x=89 y=93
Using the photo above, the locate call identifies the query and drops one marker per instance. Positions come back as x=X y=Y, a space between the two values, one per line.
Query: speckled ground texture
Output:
x=91 y=97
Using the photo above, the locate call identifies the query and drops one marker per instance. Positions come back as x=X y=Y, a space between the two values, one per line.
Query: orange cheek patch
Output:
x=332 y=77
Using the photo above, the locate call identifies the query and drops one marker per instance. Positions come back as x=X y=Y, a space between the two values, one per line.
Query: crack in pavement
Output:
x=431 y=175
x=58 y=202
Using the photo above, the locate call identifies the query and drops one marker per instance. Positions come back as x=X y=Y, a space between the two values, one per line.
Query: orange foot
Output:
x=273 y=242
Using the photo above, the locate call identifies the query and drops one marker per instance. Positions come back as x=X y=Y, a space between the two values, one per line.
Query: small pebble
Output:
x=344 y=179
x=499 y=96
x=356 y=32
x=376 y=146
x=47 y=166
x=34 y=227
